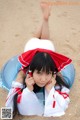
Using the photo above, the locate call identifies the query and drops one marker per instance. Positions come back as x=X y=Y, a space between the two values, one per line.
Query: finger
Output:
x=33 y=83
x=54 y=82
x=54 y=76
x=49 y=82
x=28 y=76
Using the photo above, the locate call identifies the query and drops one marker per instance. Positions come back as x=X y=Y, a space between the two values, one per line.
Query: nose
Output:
x=43 y=78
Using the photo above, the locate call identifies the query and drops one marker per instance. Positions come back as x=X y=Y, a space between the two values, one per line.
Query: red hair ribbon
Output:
x=60 y=60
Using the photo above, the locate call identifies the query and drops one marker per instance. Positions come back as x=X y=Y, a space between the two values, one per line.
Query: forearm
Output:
x=56 y=103
x=29 y=103
x=16 y=87
x=18 y=83
x=20 y=77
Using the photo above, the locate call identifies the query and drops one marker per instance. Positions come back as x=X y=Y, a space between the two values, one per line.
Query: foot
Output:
x=46 y=9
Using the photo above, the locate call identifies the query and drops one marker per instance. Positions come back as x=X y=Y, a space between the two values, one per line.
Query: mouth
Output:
x=41 y=84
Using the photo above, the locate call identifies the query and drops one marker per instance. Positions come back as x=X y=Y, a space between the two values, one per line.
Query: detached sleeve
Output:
x=29 y=103
x=16 y=87
x=56 y=102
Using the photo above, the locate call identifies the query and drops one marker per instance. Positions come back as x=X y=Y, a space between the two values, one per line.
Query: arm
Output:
x=16 y=86
x=27 y=101
x=56 y=102
x=20 y=77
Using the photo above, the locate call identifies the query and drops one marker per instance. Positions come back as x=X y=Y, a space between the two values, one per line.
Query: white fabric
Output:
x=61 y=103
x=12 y=92
x=30 y=104
x=39 y=43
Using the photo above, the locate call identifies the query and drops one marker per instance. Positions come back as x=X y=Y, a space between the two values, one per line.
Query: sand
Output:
x=19 y=19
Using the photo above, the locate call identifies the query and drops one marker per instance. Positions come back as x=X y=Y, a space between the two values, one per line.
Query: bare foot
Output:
x=46 y=9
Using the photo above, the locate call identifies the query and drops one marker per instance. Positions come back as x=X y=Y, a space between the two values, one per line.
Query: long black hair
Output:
x=41 y=62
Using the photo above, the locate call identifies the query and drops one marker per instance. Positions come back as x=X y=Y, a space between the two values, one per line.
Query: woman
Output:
x=41 y=86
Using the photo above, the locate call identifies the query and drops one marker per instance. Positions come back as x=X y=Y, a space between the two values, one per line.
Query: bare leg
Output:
x=39 y=32
x=43 y=32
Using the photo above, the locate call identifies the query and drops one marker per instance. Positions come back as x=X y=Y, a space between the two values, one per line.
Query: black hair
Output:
x=61 y=82
x=43 y=62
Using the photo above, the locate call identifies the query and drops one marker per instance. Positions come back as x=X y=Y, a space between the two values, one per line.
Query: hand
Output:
x=29 y=82
x=50 y=84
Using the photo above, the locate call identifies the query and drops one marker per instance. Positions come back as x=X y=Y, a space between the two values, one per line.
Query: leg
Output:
x=43 y=32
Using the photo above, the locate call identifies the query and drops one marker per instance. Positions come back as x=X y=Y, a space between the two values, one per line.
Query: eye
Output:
x=39 y=72
x=49 y=72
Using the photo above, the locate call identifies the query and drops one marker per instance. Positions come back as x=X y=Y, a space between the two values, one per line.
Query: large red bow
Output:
x=60 y=60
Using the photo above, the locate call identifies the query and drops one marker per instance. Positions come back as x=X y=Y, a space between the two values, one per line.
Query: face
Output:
x=41 y=78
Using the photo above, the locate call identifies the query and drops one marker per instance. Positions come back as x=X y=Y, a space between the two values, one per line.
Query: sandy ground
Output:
x=19 y=19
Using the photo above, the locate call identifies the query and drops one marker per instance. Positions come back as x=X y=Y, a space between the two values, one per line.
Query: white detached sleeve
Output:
x=16 y=87
x=29 y=104
x=56 y=102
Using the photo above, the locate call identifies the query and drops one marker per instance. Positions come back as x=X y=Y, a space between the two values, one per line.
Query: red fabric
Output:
x=54 y=104
x=18 y=90
x=64 y=94
x=60 y=60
